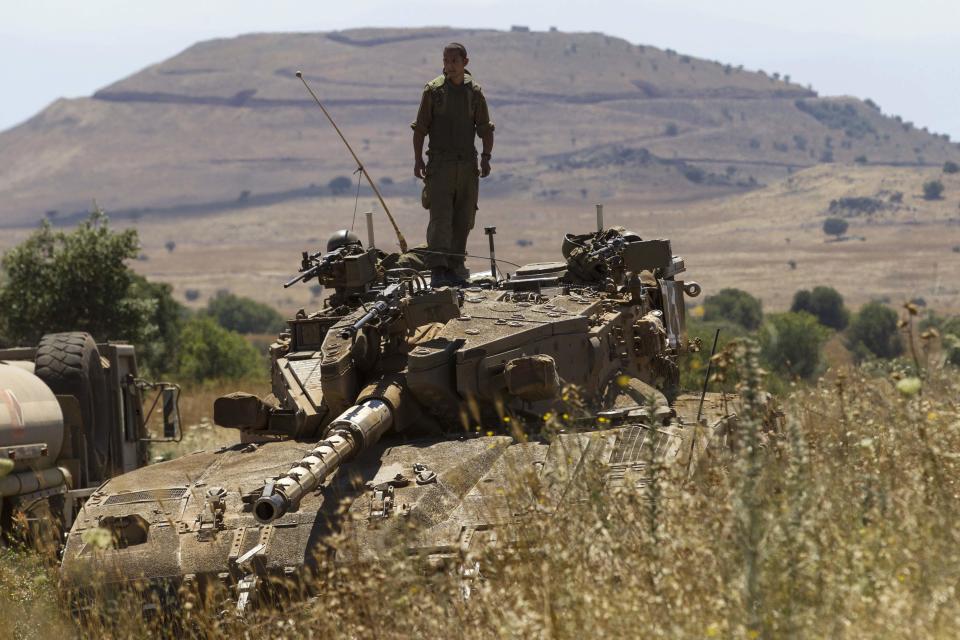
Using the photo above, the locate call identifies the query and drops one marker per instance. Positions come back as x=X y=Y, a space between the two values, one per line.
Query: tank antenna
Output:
x=599 y=217
x=400 y=239
x=706 y=378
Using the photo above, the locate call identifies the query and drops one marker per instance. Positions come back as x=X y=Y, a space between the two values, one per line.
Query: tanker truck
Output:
x=71 y=417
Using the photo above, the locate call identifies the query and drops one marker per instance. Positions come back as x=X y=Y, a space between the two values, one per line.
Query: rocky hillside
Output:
x=225 y=125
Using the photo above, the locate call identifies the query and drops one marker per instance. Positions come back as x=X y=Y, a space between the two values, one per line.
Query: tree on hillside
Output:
x=951 y=167
x=873 y=331
x=932 y=190
x=835 y=227
x=790 y=343
x=243 y=315
x=79 y=281
x=825 y=303
x=734 y=305
x=340 y=185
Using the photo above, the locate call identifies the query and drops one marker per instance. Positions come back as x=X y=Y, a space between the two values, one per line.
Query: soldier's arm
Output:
x=419 y=168
x=485 y=129
x=421 y=127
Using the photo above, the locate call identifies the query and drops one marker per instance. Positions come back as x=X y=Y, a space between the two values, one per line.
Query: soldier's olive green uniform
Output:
x=451 y=116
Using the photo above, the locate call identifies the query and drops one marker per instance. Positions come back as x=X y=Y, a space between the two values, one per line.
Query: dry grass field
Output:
x=840 y=525
x=748 y=240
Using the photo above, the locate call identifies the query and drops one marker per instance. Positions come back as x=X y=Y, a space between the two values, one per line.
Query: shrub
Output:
x=733 y=305
x=339 y=185
x=824 y=303
x=932 y=190
x=158 y=343
x=951 y=167
x=671 y=129
x=209 y=351
x=694 y=174
x=874 y=331
x=837 y=116
x=835 y=226
x=79 y=281
x=790 y=343
x=76 y=281
x=243 y=315
x=856 y=205
x=693 y=365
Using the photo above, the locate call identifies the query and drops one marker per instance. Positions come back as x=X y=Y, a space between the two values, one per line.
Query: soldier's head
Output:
x=455 y=62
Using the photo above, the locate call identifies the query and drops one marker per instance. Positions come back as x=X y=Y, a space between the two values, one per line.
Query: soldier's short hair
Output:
x=459 y=48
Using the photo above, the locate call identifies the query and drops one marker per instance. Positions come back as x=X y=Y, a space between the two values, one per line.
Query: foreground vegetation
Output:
x=842 y=524
x=839 y=524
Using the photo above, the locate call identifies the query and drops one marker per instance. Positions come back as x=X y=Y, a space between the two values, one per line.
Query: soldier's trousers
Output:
x=452 y=187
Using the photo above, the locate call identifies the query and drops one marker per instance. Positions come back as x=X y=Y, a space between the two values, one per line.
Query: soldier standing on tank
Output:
x=452 y=113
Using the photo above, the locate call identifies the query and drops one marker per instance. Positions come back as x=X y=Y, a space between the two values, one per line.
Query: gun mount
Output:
x=397 y=398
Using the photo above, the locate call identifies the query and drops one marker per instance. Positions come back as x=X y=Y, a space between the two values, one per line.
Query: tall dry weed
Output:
x=842 y=524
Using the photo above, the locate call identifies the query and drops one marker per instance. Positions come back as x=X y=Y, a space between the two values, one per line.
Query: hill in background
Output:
x=225 y=124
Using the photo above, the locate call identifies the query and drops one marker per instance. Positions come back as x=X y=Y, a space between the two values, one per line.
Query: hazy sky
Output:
x=905 y=55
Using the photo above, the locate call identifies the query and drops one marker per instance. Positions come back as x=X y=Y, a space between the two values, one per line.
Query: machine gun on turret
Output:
x=320 y=264
x=386 y=306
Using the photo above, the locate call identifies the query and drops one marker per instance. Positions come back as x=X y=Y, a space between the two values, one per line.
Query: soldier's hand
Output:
x=419 y=168
x=484 y=167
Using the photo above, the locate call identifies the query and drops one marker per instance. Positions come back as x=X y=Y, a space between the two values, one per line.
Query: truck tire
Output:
x=69 y=363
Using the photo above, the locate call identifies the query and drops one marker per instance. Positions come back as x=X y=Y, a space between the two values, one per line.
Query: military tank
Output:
x=403 y=405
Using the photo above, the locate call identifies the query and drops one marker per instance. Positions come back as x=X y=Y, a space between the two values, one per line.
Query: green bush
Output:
x=932 y=190
x=790 y=343
x=340 y=185
x=951 y=348
x=951 y=167
x=733 y=305
x=78 y=281
x=209 y=351
x=835 y=226
x=157 y=345
x=244 y=315
x=825 y=303
x=693 y=366
x=837 y=116
x=873 y=331
x=949 y=330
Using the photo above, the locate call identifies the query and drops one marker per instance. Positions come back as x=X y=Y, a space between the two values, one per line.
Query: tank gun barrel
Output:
x=356 y=429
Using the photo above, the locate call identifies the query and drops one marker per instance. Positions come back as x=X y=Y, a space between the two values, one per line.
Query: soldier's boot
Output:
x=437 y=277
x=454 y=279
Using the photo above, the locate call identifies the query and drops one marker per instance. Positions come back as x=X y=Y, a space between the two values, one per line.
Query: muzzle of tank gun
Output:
x=353 y=431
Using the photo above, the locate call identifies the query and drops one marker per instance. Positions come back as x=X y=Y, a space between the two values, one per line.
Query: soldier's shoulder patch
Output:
x=436 y=83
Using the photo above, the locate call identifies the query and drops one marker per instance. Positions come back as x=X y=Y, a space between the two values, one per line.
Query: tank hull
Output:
x=441 y=497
